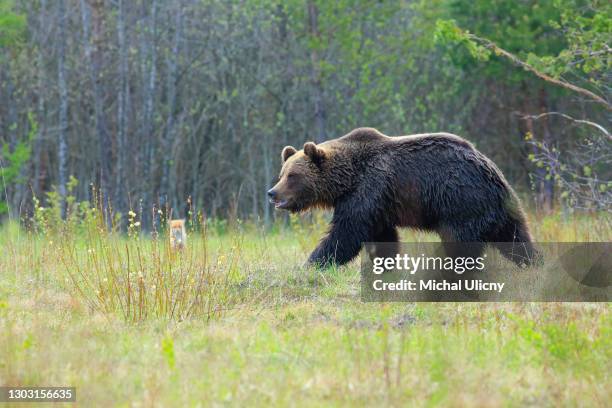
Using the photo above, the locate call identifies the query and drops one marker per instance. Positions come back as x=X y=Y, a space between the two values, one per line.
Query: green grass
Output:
x=235 y=320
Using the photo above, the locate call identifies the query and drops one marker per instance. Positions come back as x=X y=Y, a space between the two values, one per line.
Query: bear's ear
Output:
x=316 y=154
x=288 y=151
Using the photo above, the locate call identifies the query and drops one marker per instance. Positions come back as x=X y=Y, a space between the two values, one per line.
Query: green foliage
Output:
x=167 y=347
x=12 y=25
x=217 y=226
x=12 y=162
x=522 y=28
x=80 y=216
x=447 y=32
x=587 y=28
x=556 y=37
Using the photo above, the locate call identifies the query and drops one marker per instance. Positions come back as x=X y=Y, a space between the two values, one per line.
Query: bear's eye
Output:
x=291 y=176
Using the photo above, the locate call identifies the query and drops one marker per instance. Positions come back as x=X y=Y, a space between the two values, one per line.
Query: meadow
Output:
x=234 y=319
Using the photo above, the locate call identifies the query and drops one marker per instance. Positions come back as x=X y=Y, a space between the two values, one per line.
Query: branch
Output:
x=563 y=115
x=490 y=45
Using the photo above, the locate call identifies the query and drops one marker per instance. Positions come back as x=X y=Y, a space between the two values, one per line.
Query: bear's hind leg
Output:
x=463 y=249
x=514 y=242
x=462 y=241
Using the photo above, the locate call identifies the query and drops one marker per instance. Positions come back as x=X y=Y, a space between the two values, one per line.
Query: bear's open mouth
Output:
x=279 y=203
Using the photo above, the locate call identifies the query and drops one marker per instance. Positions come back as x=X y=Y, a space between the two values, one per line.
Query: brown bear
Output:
x=376 y=183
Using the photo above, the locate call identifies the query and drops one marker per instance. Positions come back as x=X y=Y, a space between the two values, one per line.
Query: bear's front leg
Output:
x=387 y=245
x=335 y=249
x=342 y=243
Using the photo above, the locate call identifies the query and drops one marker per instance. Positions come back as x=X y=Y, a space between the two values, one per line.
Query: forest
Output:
x=154 y=104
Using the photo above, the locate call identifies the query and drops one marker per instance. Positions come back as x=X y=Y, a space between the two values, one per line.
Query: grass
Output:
x=234 y=320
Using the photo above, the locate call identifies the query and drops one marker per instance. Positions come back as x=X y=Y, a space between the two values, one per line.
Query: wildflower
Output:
x=131 y=213
x=137 y=224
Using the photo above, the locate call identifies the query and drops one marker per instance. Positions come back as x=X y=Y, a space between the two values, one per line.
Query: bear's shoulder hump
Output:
x=364 y=135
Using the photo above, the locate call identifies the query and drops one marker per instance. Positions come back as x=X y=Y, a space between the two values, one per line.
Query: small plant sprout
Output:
x=134 y=225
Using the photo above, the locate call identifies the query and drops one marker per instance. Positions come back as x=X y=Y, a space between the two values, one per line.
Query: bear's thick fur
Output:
x=375 y=183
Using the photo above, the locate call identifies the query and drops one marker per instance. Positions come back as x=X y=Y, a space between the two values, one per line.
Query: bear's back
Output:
x=371 y=136
x=441 y=138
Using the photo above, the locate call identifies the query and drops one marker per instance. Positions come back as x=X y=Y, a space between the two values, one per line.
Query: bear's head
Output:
x=307 y=179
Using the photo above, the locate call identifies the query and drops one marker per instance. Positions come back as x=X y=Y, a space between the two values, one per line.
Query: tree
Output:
x=577 y=49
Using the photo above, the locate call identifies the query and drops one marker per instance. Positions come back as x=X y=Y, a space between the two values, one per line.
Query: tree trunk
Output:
x=317 y=87
x=548 y=183
x=41 y=111
x=149 y=71
x=62 y=149
x=93 y=25
x=268 y=176
x=169 y=133
x=122 y=100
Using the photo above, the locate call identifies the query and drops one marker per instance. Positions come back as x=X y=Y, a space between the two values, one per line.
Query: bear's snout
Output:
x=276 y=200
